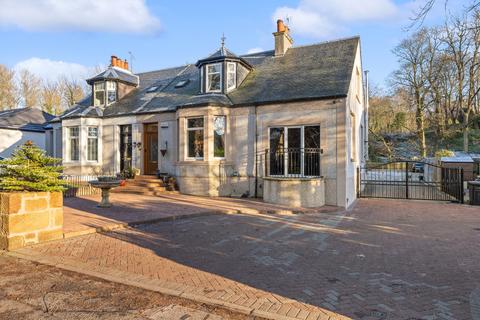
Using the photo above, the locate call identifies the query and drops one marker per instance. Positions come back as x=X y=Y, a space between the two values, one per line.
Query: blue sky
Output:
x=72 y=37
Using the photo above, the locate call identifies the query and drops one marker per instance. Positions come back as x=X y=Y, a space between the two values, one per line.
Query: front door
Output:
x=150 y=148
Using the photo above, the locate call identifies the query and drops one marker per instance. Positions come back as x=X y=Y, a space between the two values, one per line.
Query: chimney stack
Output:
x=283 y=41
x=119 y=63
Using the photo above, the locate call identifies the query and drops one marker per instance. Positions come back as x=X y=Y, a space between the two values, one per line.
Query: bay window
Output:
x=214 y=77
x=195 y=141
x=219 y=123
x=294 y=151
x=74 y=143
x=92 y=143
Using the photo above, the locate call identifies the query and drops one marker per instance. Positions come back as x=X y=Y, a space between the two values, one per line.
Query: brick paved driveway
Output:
x=385 y=259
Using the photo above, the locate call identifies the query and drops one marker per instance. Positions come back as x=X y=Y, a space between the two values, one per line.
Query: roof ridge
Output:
x=327 y=42
x=170 y=68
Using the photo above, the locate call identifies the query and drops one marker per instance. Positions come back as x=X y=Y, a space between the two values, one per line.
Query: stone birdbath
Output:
x=105 y=184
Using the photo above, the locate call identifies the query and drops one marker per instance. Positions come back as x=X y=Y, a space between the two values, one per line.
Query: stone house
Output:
x=288 y=125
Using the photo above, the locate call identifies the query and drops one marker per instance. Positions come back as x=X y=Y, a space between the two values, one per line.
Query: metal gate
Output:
x=410 y=180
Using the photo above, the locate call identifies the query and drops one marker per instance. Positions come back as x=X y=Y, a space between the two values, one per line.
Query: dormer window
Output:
x=222 y=71
x=111 y=92
x=214 y=77
x=99 y=93
x=231 y=75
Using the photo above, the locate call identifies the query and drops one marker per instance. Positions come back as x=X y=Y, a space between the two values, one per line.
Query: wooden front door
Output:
x=150 y=150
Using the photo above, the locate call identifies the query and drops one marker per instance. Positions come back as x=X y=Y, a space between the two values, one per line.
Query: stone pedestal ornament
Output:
x=105 y=185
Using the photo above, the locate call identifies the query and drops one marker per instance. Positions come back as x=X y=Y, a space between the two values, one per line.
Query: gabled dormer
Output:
x=112 y=84
x=222 y=72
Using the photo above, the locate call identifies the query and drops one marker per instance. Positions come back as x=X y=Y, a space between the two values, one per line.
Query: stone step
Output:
x=144 y=183
x=138 y=189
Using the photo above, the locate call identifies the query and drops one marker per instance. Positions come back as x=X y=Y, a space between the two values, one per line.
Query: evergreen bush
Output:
x=30 y=169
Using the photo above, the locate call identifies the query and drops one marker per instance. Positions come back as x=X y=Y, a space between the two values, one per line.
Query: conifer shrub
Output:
x=30 y=169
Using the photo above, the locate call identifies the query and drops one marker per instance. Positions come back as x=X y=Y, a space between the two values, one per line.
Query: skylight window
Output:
x=153 y=89
x=182 y=83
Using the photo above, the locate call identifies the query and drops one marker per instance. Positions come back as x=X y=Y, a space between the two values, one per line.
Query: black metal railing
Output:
x=79 y=186
x=292 y=162
x=410 y=180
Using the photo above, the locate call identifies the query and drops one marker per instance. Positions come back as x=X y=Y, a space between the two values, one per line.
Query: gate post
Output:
x=406 y=179
x=461 y=186
x=358 y=182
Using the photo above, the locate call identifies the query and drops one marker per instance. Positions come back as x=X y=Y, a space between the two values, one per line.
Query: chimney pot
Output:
x=125 y=65
x=280 y=26
x=113 y=61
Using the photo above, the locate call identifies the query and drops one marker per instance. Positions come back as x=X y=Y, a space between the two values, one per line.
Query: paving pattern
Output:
x=385 y=259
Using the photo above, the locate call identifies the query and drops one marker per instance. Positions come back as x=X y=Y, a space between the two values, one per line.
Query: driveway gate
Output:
x=410 y=180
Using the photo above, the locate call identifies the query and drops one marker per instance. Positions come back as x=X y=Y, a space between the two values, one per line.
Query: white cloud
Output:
x=255 y=50
x=323 y=18
x=123 y=16
x=51 y=70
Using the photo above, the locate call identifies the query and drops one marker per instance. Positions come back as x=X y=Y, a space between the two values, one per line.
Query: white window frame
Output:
x=224 y=137
x=88 y=139
x=302 y=147
x=232 y=73
x=187 y=130
x=99 y=90
x=207 y=87
x=70 y=138
x=107 y=89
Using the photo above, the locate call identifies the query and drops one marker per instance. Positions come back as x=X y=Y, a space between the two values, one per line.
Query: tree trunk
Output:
x=465 y=131
x=421 y=133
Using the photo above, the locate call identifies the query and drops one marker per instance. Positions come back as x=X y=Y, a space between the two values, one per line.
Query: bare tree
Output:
x=462 y=45
x=52 y=97
x=72 y=91
x=422 y=12
x=416 y=56
x=8 y=92
x=30 y=89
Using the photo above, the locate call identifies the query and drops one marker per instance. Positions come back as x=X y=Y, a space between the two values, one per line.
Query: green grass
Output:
x=454 y=141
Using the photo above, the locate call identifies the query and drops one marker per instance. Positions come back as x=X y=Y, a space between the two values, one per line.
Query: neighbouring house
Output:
x=289 y=124
x=18 y=126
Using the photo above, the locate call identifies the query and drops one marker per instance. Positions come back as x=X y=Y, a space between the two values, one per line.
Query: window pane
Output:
x=214 y=68
x=99 y=85
x=92 y=131
x=195 y=143
x=112 y=96
x=231 y=80
x=195 y=123
x=74 y=132
x=231 y=67
x=74 y=149
x=219 y=137
x=92 y=152
x=312 y=151
x=99 y=98
x=277 y=157
x=294 y=153
x=214 y=82
x=111 y=85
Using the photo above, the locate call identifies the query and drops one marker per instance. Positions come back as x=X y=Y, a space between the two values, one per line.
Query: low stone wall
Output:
x=294 y=192
x=30 y=217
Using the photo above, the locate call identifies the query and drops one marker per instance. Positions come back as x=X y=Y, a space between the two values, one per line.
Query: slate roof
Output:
x=113 y=73
x=316 y=71
x=24 y=119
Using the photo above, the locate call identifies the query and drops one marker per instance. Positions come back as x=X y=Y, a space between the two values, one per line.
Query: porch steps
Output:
x=142 y=185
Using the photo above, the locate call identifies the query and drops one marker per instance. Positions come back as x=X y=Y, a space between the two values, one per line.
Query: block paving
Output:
x=385 y=259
